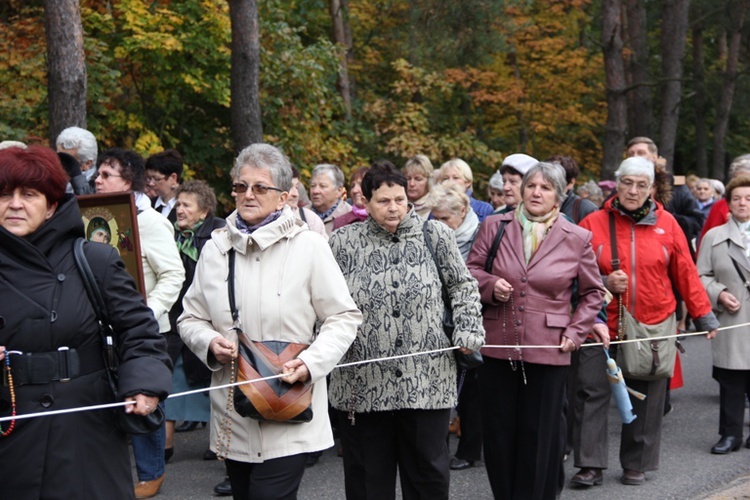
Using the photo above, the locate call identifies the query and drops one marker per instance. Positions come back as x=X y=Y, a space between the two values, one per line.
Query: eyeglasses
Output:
x=259 y=189
x=640 y=186
x=107 y=175
x=150 y=179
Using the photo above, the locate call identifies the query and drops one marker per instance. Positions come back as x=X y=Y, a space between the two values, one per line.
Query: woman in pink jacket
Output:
x=543 y=263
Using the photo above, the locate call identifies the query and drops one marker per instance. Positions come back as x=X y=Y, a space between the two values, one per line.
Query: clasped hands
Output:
x=224 y=350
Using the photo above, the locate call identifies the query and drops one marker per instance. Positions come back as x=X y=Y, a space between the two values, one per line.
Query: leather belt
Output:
x=60 y=365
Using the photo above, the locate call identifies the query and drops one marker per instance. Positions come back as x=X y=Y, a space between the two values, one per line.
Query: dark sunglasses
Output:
x=259 y=189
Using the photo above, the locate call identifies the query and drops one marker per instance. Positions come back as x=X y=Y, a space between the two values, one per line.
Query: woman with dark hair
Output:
x=398 y=410
x=120 y=170
x=723 y=265
x=359 y=204
x=542 y=263
x=163 y=177
x=51 y=345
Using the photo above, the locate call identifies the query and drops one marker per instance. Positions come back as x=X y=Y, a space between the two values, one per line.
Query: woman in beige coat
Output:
x=722 y=259
x=286 y=279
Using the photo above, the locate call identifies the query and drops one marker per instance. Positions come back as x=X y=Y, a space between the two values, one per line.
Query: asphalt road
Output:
x=687 y=471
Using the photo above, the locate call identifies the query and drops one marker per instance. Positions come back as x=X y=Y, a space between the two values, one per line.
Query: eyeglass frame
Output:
x=257 y=189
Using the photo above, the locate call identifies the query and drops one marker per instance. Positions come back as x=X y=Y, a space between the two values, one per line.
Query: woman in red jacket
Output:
x=654 y=257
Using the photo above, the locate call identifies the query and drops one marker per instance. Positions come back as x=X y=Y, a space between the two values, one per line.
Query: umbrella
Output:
x=620 y=391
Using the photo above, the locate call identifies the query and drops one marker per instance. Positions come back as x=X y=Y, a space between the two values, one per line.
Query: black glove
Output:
x=70 y=164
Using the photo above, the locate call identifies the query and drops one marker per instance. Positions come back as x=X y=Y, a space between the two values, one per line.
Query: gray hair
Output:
x=739 y=166
x=718 y=187
x=80 y=139
x=635 y=165
x=333 y=172
x=552 y=173
x=268 y=158
x=496 y=181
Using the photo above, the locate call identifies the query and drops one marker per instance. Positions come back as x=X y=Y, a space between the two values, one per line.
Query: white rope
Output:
x=345 y=365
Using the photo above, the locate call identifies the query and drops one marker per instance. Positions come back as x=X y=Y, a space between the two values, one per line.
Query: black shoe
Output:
x=209 y=455
x=726 y=444
x=224 y=488
x=186 y=427
x=461 y=464
x=168 y=452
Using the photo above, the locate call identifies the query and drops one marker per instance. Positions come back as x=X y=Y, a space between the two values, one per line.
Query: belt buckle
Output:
x=65 y=365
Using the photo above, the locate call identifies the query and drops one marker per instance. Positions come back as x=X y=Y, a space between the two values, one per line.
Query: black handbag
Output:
x=463 y=361
x=129 y=423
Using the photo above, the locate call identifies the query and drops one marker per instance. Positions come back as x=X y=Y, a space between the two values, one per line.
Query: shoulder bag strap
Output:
x=94 y=294
x=577 y=210
x=739 y=271
x=230 y=289
x=495 y=245
x=613 y=242
x=431 y=249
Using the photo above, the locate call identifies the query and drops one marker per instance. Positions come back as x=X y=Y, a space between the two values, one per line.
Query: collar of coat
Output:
x=287 y=226
x=731 y=232
x=410 y=225
x=648 y=220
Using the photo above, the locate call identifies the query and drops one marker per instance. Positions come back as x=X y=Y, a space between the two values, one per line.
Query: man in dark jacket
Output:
x=574 y=207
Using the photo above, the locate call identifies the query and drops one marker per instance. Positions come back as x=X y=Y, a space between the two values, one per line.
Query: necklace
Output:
x=513 y=365
x=8 y=376
x=224 y=436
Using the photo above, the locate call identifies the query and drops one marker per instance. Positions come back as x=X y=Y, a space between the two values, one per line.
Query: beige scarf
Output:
x=535 y=228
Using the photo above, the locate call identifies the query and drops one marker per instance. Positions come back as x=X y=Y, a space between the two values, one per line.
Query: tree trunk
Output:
x=640 y=101
x=247 y=127
x=701 y=130
x=614 y=68
x=727 y=92
x=674 y=24
x=339 y=38
x=66 y=66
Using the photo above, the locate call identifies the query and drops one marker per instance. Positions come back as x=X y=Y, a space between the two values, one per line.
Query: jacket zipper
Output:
x=632 y=254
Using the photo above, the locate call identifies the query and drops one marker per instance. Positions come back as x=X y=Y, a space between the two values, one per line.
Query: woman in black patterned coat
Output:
x=398 y=410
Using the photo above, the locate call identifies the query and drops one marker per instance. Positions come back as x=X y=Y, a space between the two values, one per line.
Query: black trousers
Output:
x=521 y=422
x=379 y=442
x=734 y=385
x=469 y=409
x=275 y=479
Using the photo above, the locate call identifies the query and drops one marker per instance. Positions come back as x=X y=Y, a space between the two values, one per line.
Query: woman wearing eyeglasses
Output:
x=120 y=170
x=285 y=279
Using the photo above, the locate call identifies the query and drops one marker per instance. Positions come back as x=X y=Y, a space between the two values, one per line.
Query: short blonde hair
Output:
x=449 y=196
x=458 y=164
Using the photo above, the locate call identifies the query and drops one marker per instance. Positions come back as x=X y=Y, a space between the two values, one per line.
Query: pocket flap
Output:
x=557 y=320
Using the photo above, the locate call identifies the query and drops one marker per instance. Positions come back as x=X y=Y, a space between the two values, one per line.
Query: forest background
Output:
x=350 y=81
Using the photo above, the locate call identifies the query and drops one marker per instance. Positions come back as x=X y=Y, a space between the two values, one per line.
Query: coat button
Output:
x=523 y=279
x=399 y=342
x=61 y=277
x=399 y=373
x=520 y=308
x=396 y=314
x=395 y=284
x=523 y=294
x=395 y=260
x=47 y=400
x=518 y=322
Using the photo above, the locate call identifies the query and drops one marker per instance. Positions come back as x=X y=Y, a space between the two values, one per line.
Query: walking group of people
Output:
x=406 y=267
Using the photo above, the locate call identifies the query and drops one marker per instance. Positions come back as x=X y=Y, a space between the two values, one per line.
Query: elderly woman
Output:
x=724 y=266
x=719 y=213
x=542 y=263
x=396 y=283
x=496 y=193
x=119 y=171
x=195 y=209
x=458 y=171
x=278 y=296
x=45 y=317
x=641 y=227
x=513 y=169
x=705 y=194
x=419 y=174
x=359 y=205
x=294 y=200
x=450 y=205
x=327 y=193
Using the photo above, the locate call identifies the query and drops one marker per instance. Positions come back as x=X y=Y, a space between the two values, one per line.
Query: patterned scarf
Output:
x=186 y=240
x=535 y=228
x=637 y=214
x=328 y=212
x=244 y=227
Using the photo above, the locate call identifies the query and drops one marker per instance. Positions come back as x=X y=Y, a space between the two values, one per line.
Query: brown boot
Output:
x=148 y=489
x=455 y=427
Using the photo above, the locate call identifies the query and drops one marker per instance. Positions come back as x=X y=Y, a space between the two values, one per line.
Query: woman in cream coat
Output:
x=286 y=279
x=723 y=248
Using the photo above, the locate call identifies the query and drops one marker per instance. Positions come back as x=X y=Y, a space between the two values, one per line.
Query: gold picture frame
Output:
x=112 y=219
